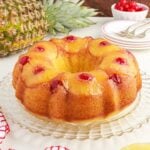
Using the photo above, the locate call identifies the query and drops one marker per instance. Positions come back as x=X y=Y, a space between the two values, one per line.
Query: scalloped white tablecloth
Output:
x=19 y=139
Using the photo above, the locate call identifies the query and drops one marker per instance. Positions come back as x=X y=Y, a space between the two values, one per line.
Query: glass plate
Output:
x=131 y=119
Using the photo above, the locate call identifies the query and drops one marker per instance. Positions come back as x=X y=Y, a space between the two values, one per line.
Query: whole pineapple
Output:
x=23 y=22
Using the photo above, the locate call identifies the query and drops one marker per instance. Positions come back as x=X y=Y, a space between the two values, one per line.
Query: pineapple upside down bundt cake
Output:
x=74 y=79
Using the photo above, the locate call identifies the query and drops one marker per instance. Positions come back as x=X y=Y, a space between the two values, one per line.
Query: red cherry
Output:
x=123 y=2
x=117 y=5
x=139 y=9
x=121 y=8
x=55 y=84
x=104 y=43
x=132 y=3
x=126 y=7
x=115 y=78
x=23 y=60
x=70 y=38
x=38 y=69
x=120 y=61
x=40 y=49
x=120 y=5
x=85 y=76
x=131 y=10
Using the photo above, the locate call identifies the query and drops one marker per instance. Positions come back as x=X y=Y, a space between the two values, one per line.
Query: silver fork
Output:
x=127 y=30
x=143 y=34
x=131 y=30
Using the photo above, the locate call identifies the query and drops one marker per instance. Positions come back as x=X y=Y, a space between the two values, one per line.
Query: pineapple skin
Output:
x=22 y=22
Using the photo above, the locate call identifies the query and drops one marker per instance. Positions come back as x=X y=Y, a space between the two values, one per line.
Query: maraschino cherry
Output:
x=38 y=69
x=104 y=43
x=85 y=76
x=121 y=61
x=70 y=38
x=128 y=5
x=55 y=84
x=23 y=60
x=115 y=78
x=40 y=49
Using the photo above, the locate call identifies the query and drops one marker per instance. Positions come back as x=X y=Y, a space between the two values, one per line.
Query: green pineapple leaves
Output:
x=63 y=16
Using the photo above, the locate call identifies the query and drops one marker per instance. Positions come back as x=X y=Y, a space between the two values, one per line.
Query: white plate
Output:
x=118 y=126
x=128 y=44
x=129 y=47
x=111 y=28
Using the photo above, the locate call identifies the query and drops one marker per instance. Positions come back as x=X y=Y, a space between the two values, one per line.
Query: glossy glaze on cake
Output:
x=76 y=79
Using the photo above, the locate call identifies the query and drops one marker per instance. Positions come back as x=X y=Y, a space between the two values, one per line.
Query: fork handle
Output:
x=143 y=27
x=147 y=31
x=134 y=26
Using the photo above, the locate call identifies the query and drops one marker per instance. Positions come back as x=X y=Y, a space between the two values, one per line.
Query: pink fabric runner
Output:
x=4 y=130
x=56 y=148
x=4 y=127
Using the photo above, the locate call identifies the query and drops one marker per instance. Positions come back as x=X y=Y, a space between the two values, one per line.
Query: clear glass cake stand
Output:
x=127 y=121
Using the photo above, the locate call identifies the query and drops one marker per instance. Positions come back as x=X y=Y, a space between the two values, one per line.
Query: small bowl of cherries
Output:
x=129 y=10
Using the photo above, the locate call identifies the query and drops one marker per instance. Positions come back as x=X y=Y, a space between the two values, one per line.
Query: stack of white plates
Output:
x=110 y=32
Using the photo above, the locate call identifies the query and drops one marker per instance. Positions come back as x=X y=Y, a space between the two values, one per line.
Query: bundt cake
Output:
x=74 y=79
